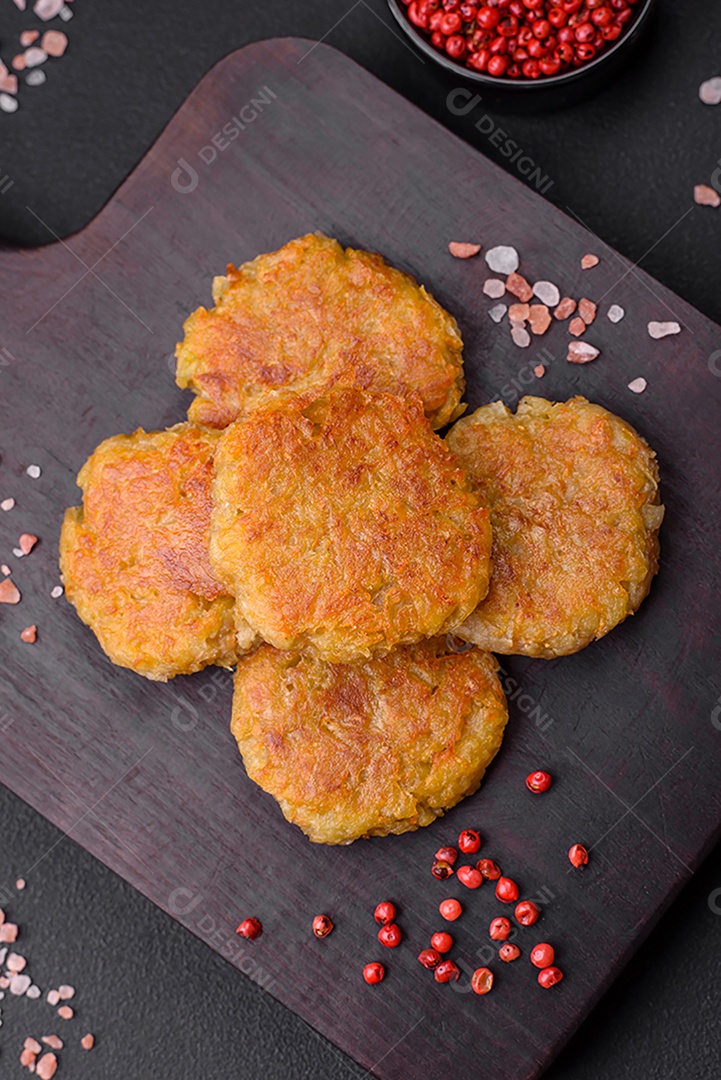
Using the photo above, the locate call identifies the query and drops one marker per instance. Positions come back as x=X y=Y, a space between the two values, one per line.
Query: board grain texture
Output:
x=146 y=776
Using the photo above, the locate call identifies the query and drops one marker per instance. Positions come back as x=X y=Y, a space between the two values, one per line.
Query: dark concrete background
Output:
x=161 y=1003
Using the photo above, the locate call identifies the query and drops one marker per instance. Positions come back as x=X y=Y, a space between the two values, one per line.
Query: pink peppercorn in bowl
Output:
x=537 y=53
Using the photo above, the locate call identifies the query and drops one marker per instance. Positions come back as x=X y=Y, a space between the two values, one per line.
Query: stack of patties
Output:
x=330 y=542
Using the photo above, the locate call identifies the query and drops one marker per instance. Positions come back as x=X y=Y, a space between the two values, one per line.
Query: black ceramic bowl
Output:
x=548 y=92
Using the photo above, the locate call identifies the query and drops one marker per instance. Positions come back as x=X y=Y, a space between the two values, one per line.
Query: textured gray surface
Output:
x=161 y=1003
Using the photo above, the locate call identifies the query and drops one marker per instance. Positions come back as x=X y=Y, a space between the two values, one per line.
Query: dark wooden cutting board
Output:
x=146 y=776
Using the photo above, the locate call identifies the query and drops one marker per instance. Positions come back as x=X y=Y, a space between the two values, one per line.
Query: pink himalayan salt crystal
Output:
x=66 y=992
x=15 y=962
x=35 y=56
x=19 y=984
x=580 y=352
x=54 y=42
x=88 y=1041
x=32 y=1044
x=27 y=1058
x=8 y=930
x=637 y=386
x=659 y=330
x=53 y=1041
x=65 y=1012
x=9 y=594
x=589 y=261
x=706 y=196
x=47 y=9
x=494 y=287
x=53 y=997
x=46 y=1067
x=461 y=250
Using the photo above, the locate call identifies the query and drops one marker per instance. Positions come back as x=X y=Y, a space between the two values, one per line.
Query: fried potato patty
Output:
x=352 y=750
x=312 y=316
x=574 y=500
x=134 y=556
x=346 y=525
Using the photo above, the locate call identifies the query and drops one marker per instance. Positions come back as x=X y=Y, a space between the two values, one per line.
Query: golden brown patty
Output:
x=134 y=557
x=351 y=750
x=311 y=316
x=574 y=500
x=346 y=525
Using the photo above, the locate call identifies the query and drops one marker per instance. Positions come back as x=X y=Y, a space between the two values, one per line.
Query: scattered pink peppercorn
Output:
x=250 y=929
x=578 y=855
x=482 y=980
x=384 y=913
x=538 y=782
x=374 y=973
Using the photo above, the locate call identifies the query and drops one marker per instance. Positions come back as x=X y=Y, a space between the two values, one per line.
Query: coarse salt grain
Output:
x=27 y=1058
x=8 y=104
x=65 y=1012
x=587 y=310
x=17 y=552
x=9 y=594
x=20 y=884
x=521 y=337
x=53 y=1041
x=27 y=542
x=659 y=330
x=34 y=56
x=519 y=287
x=65 y=13
x=53 y=997
x=457 y=248
x=46 y=1067
x=16 y=963
x=28 y=37
x=710 y=91
x=33 y=992
x=8 y=82
x=539 y=371
x=497 y=312
x=589 y=261
x=494 y=287
x=18 y=62
x=47 y=9
x=57 y=591
x=54 y=42
x=547 y=293
x=20 y=4
x=34 y=471
x=577 y=327
x=518 y=312
x=65 y=992
x=502 y=259
x=19 y=984
x=616 y=313
x=29 y=634
x=539 y=318
x=565 y=308
x=7 y=504
x=88 y=1041
x=36 y=77
x=706 y=196
x=5 y=569
x=32 y=1044
x=638 y=385
x=580 y=352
